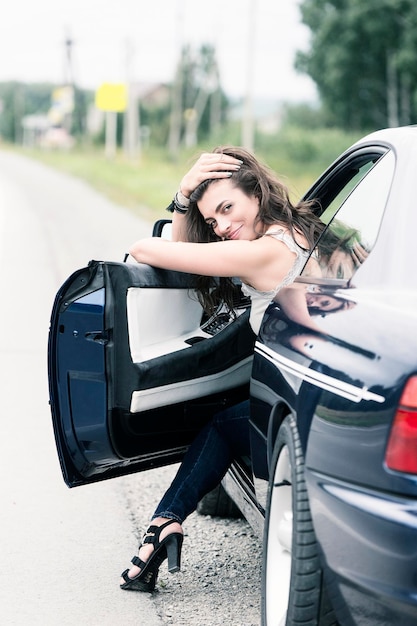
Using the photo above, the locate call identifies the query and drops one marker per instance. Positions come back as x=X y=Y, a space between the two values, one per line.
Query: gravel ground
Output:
x=220 y=578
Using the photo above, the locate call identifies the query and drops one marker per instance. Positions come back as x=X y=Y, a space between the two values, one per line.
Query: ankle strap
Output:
x=153 y=533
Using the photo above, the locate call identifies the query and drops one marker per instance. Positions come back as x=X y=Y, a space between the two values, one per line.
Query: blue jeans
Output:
x=207 y=460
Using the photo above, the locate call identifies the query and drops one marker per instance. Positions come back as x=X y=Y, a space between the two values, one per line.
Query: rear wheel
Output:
x=292 y=584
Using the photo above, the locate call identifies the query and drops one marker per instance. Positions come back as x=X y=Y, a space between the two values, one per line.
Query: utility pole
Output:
x=248 y=118
x=68 y=68
x=131 y=135
x=77 y=95
x=68 y=77
x=176 y=96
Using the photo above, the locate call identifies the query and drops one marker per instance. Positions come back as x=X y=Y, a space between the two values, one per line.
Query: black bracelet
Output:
x=174 y=207
x=179 y=210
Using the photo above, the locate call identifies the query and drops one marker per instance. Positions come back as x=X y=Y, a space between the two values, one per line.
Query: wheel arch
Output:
x=279 y=412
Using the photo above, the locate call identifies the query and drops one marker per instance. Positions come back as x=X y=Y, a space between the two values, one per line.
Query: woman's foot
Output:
x=147 y=548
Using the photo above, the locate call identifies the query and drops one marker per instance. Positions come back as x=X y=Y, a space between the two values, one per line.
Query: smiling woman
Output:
x=231 y=218
x=236 y=205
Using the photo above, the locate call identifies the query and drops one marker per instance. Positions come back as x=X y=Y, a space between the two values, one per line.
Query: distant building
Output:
x=152 y=94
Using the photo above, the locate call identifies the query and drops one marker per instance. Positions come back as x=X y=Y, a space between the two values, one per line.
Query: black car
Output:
x=135 y=370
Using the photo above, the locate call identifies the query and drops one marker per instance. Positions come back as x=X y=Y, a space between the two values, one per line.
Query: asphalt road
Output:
x=62 y=550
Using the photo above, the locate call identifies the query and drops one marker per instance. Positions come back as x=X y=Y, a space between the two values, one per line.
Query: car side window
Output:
x=353 y=218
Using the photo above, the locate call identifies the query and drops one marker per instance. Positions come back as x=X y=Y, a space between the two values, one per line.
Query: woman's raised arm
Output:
x=209 y=165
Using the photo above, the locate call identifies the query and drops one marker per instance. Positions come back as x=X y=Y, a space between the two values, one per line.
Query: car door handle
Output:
x=98 y=336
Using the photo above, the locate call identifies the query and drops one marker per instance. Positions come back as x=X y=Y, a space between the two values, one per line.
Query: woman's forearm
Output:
x=179 y=229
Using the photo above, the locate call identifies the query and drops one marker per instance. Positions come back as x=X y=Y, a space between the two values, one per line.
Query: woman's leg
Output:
x=205 y=463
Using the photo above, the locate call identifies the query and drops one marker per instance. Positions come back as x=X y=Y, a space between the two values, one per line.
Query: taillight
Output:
x=401 y=453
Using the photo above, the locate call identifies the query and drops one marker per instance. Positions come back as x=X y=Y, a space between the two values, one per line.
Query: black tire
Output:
x=292 y=580
x=218 y=504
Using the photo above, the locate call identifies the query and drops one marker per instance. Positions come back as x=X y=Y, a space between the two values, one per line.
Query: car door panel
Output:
x=355 y=380
x=133 y=372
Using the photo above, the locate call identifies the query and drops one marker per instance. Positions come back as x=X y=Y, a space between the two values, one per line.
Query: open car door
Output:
x=135 y=370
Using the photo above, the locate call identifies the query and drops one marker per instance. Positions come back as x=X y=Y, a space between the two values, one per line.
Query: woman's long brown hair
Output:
x=254 y=179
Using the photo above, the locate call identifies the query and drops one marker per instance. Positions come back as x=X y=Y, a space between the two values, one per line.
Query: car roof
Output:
x=392 y=136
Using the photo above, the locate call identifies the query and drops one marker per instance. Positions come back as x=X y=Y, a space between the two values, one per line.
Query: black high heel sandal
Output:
x=169 y=548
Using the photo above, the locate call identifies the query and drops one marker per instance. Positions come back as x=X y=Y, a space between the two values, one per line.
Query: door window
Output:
x=353 y=217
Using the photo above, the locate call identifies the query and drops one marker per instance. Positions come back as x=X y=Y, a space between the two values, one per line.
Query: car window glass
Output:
x=337 y=202
x=353 y=227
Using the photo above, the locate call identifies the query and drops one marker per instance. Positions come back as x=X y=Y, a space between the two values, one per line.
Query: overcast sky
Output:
x=32 y=36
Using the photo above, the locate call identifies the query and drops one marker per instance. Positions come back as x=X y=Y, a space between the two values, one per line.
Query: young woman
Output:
x=231 y=218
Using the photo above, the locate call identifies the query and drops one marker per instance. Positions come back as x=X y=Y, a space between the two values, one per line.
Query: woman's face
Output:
x=323 y=302
x=228 y=211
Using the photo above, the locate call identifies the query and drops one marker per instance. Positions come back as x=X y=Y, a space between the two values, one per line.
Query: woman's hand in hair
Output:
x=208 y=166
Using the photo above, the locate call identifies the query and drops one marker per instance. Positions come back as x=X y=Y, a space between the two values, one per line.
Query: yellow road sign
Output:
x=112 y=97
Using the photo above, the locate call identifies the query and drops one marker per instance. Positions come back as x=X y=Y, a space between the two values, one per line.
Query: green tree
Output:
x=362 y=58
x=22 y=99
x=156 y=118
x=18 y=100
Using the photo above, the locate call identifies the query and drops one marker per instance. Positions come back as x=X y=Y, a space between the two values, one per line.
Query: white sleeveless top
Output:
x=261 y=299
